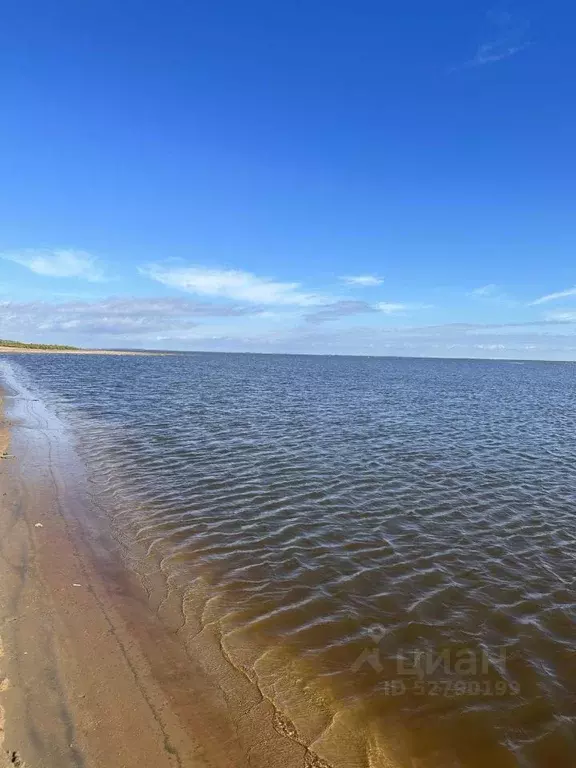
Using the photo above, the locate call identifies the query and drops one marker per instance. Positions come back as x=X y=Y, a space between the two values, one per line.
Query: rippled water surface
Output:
x=389 y=543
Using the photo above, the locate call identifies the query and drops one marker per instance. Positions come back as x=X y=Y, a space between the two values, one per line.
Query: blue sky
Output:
x=358 y=178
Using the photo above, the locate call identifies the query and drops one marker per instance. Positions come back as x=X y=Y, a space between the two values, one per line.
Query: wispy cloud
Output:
x=561 y=317
x=185 y=322
x=555 y=296
x=232 y=284
x=345 y=308
x=553 y=341
x=390 y=308
x=58 y=263
x=486 y=290
x=493 y=294
x=338 y=310
x=505 y=37
x=362 y=280
x=134 y=317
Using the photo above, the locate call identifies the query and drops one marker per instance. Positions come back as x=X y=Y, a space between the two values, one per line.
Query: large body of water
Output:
x=387 y=546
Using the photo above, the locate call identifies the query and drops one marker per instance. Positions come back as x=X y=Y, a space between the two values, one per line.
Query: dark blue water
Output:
x=386 y=546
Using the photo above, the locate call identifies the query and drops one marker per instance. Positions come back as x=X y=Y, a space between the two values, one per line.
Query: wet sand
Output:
x=97 y=669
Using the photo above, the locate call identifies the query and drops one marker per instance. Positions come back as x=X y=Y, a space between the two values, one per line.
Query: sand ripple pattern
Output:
x=349 y=513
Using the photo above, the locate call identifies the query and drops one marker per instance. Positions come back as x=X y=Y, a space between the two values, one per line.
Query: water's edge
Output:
x=46 y=470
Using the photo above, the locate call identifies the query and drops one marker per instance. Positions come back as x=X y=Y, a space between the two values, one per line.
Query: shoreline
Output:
x=38 y=351
x=96 y=667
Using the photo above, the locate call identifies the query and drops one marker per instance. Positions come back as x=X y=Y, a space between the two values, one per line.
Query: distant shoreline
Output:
x=40 y=351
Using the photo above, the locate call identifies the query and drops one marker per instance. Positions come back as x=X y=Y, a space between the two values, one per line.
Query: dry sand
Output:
x=90 y=676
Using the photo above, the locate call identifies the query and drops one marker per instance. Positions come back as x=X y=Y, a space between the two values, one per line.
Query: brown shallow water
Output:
x=384 y=547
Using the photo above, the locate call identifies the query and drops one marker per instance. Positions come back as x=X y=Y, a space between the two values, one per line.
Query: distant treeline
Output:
x=23 y=345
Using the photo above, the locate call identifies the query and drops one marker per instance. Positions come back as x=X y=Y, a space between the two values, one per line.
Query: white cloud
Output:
x=58 y=263
x=232 y=284
x=496 y=50
x=363 y=280
x=186 y=323
x=490 y=347
x=494 y=294
x=506 y=36
x=390 y=308
x=338 y=310
x=346 y=308
x=561 y=317
x=486 y=290
x=554 y=296
x=135 y=317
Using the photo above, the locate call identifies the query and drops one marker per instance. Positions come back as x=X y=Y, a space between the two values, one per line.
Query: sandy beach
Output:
x=97 y=669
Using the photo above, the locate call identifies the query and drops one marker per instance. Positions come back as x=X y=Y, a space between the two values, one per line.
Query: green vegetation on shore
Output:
x=24 y=345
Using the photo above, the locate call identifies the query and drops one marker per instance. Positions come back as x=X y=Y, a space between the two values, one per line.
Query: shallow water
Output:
x=388 y=544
